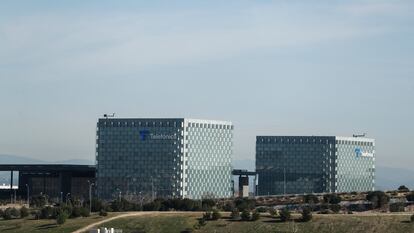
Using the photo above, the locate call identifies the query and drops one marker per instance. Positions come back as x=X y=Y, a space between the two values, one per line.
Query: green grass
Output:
x=319 y=224
x=45 y=226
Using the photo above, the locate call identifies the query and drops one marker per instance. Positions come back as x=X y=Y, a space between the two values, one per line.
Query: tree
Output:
x=245 y=215
x=24 y=212
x=403 y=188
x=332 y=198
x=285 y=215
x=255 y=216
x=378 y=199
x=410 y=196
x=306 y=214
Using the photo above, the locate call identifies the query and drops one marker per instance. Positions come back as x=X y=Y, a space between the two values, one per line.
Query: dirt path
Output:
x=128 y=214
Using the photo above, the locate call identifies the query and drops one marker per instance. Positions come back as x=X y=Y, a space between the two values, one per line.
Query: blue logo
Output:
x=358 y=152
x=143 y=134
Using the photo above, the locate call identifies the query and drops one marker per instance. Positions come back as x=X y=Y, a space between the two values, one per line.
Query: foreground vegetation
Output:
x=24 y=225
x=266 y=224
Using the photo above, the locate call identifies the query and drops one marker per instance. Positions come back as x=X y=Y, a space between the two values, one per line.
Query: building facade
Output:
x=176 y=157
x=314 y=164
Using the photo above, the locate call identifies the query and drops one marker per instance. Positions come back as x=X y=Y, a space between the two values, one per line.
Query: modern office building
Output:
x=314 y=164
x=183 y=158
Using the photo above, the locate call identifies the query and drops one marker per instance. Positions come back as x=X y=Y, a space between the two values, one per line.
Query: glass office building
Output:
x=183 y=158
x=314 y=164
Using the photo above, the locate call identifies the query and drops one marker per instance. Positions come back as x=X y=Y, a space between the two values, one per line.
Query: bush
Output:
x=84 y=212
x=202 y=222
x=216 y=215
x=207 y=215
x=255 y=216
x=397 y=207
x=36 y=214
x=24 y=212
x=97 y=205
x=1 y=212
x=208 y=204
x=103 y=213
x=273 y=212
x=76 y=212
x=306 y=215
x=285 y=215
x=235 y=214
x=378 y=199
x=7 y=214
x=310 y=199
x=245 y=204
x=412 y=218
x=332 y=198
x=61 y=218
x=187 y=230
x=15 y=212
x=245 y=215
x=335 y=208
x=46 y=212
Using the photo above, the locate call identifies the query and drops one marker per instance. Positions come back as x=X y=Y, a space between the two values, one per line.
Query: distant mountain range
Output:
x=387 y=178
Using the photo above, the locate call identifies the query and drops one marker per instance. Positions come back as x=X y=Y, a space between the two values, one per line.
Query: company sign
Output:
x=146 y=134
x=360 y=153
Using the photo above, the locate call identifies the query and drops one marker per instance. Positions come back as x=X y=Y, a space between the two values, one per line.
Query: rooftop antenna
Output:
x=359 y=135
x=109 y=115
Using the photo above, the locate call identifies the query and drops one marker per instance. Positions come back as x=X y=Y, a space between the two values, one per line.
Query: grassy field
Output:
x=319 y=224
x=175 y=223
x=46 y=226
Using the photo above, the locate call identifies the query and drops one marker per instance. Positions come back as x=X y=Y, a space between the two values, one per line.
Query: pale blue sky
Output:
x=271 y=67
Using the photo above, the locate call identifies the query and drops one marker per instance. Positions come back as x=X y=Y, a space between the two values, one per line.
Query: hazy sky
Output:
x=271 y=67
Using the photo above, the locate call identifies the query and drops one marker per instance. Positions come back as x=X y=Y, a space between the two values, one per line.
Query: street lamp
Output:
x=90 y=195
x=28 y=203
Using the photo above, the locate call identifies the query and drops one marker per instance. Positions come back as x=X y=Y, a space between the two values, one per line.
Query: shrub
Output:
x=36 y=214
x=216 y=215
x=332 y=198
x=24 y=212
x=202 y=222
x=378 y=198
x=84 y=212
x=412 y=218
x=306 y=214
x=15 y=212
x=103 y=213
x=208 y=204
x=245 y=204
x=207 y=215
x=273 y=212
x=1 y=212
x=335 y=208
x=76 y=212
x=7 y=214
x=310 y=199
x=61 y=218
x=245 y=215
x=97 y=205
x=285 y=215
x=46 y=212
x=255 y=216
x=235 y=214
x=397 y=207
